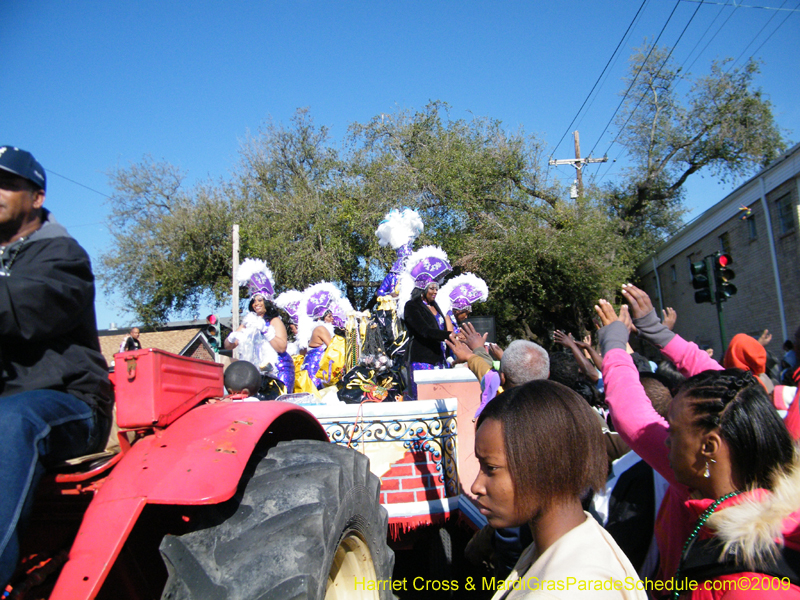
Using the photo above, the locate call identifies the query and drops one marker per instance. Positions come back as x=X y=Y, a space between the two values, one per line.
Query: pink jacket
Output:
x=643 y=429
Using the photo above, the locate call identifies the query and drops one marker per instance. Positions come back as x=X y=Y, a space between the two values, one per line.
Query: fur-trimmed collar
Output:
x=755 y=527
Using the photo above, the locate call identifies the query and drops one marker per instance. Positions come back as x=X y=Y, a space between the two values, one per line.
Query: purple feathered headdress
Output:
x=462 y=292
x=428 y=264
x=290 y=301
x=256 y=275
x=320 y=298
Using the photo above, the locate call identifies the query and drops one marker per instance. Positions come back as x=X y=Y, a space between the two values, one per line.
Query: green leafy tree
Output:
x=170 y=242
x=310 y=210
x=723 y=124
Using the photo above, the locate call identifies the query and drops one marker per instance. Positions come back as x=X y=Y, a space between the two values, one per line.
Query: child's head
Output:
x=242 y=377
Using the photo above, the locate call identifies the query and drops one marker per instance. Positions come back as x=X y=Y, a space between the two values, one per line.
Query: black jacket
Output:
x=427 y=338
x=132 y=344
x=48 y=328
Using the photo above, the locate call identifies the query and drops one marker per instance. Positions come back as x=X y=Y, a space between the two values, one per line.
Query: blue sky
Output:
x=92 y=85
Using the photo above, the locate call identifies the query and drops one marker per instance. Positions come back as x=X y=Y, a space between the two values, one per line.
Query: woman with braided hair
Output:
x=729 y=525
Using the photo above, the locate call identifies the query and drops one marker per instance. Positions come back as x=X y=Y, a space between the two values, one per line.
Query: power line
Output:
x=700 y=39
x=633 y=81
x=721 y=27
x=735 y=8
x=625 y=35
x=795 y=9
x=71 y=227
x=666 y=60
x=611 y=165
x=78 y=183
x=758 y=34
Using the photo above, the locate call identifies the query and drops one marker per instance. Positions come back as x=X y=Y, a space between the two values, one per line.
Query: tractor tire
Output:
x=305 y=525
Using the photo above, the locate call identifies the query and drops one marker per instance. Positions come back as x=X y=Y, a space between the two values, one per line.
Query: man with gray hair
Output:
x=521 y=362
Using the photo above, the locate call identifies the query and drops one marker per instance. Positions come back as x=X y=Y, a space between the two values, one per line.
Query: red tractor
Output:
x=206 y=499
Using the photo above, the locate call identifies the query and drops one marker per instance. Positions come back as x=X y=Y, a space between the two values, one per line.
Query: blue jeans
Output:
x=37 y=429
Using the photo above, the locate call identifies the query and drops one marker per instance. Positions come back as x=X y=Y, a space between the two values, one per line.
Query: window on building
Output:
x=785 y=216
x=751 y=227
x=725 y=243
x=673 y=273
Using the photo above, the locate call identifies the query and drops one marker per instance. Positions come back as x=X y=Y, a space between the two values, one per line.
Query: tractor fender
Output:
x=198 y=459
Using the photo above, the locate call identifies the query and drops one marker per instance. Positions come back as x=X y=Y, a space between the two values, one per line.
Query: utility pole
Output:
x=578 y=162
x=235 y=286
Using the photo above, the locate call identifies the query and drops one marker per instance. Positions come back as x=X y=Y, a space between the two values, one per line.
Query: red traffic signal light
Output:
x=723 y=276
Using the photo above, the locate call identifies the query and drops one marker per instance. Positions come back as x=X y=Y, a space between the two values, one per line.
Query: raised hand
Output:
x=460 y=350
x=608 y=315
x=638 y=301
x=565 y=339
x=670 y=316
x=473 y=339
x=495 y=351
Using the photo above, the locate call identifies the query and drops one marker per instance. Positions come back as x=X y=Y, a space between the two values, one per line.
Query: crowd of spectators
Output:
x=702 y=486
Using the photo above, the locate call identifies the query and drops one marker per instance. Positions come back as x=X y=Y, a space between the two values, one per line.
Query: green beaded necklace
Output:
x=698 y=526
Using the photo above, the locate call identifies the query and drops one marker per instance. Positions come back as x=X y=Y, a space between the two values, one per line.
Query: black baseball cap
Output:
x=22 y=163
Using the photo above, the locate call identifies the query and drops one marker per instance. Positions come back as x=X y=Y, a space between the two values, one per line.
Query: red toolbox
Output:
x=153 y=387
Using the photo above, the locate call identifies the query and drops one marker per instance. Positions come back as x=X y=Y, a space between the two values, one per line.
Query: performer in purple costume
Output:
x=398 y=229
x=261 y=338
x=389 y=283
x=290 y=301
x=424 y=319
x=322 y=335
x=324 y=308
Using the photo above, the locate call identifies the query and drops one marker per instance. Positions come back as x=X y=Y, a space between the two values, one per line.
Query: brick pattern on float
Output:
x=414 y=478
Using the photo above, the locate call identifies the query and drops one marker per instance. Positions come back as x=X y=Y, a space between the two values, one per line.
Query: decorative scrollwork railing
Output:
x=436 y=436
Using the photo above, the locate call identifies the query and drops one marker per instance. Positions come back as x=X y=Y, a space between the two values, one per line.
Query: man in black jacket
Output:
x=55 y=396
x=132 y=341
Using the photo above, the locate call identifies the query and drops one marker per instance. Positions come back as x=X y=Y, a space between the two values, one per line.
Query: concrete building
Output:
x=757 y=224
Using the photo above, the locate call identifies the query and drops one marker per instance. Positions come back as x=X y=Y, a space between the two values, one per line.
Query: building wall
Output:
x=171 y=341
x=754 y=307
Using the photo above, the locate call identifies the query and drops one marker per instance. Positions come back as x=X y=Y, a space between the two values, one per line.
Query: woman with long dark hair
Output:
x=261 y=338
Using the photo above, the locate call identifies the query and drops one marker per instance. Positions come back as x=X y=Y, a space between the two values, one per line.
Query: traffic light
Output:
x=723 y=276
x=212 y=331
x=701 y=282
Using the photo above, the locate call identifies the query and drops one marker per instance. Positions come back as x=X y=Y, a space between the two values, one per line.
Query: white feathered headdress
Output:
x=425 y=266
x=399 y=228
x=461 y=292
x=290 y=301
x=256 y=275
x=316 y=301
